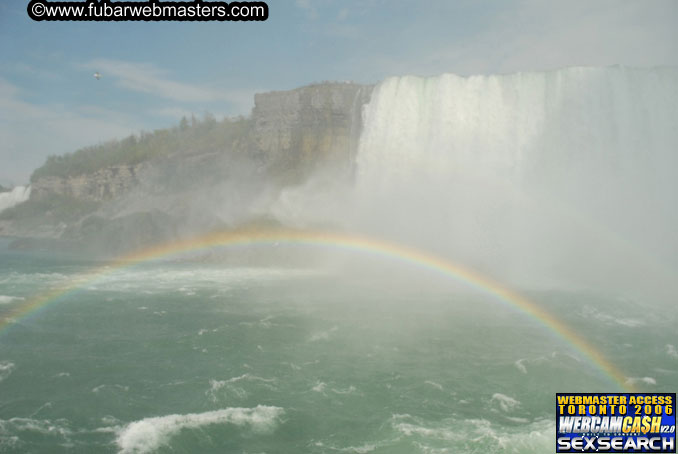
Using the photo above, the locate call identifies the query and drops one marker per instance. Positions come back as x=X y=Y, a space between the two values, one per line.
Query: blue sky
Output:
x=153 y=73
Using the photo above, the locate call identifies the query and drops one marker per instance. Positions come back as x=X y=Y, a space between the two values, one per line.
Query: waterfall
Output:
x=563 y=172
x=14 y=197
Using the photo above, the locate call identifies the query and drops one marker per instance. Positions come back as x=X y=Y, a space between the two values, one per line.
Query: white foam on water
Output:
x=42 y=407
x=239 y=392
x=643 y=380
x=217 y=385
x=319 y=386
x=589 y=312
x=98 y=389
x=150 y=434
x=6 y=299
x=6 y=368
x=59 y=427
x=520 y=365
x=9 y=443
x=505 y=403
x=110 y=420
x=350 y=390
x=429 y=450
x=364 y=449
x=157 y=277
x=409 y=430
x=249 y=377
x=663 y=371
x=554 y=357
x=361 y=449
x=34 y=279
x=434 y=384
x=264 y=323
x=517 y=420
x=475 y=435
x=671 y=351
x=323 y=335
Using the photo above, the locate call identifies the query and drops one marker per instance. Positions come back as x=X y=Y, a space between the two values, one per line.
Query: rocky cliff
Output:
x=104 y=184
x=311 y=126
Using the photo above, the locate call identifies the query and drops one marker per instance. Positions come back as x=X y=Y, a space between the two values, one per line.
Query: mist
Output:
x=560 y=179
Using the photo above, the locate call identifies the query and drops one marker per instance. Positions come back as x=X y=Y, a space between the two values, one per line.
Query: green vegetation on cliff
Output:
x=190 y=136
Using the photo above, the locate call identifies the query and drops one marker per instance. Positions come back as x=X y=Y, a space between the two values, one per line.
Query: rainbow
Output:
x=352 y=242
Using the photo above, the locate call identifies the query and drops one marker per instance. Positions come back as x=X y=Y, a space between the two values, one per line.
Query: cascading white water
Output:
x=528 y=171
x=14 y=197
x=588 y=119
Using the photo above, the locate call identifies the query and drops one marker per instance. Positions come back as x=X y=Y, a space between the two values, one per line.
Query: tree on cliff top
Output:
x=196 y=136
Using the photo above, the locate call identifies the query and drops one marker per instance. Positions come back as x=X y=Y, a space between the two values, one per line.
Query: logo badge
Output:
x=616 y=422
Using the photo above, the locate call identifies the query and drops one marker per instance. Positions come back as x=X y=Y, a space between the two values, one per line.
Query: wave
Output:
x=158 y=277
x=590 y=312
x=475 y=435
x=99 y=388
x=150 y=434
x=555 y=358
x=6 y=299
x=6 y=368
x=16 y=278
x=504 y=402
x=11 y=429
x=364 y=449
x=239 y=392
x=350 y=390
x=644 y=380
x=323 y=335
x=434 y=384
x=520 y=365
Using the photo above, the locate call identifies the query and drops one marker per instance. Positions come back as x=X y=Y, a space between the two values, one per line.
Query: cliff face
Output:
x=311 y=126
x=102 y=185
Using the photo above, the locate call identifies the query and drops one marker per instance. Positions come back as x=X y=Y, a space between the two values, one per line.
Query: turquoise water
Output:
x=185 y=357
